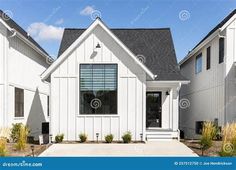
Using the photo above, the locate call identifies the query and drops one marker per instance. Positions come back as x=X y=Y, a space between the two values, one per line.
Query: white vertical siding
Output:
x=131 y=101
x=205 y=92
x=230 y=82
x=21 y=66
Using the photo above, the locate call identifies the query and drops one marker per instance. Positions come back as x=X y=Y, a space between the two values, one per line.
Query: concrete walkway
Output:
x=159 y=148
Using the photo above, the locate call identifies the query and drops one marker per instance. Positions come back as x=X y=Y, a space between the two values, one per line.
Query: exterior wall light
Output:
x=98 y=46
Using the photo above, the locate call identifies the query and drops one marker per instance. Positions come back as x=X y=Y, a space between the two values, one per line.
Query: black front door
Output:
x=153 y=109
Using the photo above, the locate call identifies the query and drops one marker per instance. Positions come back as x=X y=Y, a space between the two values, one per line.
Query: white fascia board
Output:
x=166 y=83
x=65 y=54
x=24 y=39
x=228 y=22
x=213 y=35
x=190 y=54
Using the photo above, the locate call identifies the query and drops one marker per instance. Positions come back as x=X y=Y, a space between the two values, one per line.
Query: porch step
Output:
x=161 y=135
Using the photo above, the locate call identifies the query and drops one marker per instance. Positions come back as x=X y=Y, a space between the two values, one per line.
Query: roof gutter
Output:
x=213 y=35
x=19 y=35
x=216 y=33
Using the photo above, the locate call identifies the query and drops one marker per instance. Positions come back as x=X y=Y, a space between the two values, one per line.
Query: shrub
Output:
x=15 y=131
x=127 y=137
x=83 y=137
x=22 y=138
x=3 y=149
x=109 y=138
x=229 y=140
x=208 y=133
x=59 y=138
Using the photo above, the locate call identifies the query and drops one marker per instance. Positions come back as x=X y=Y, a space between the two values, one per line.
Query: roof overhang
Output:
x=207 y=40
x=166 y=83
x=66 y=53
x=19 y=35
x=191 y=53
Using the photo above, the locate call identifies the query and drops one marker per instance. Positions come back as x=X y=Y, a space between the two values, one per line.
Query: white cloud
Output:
x=88 y=10
x=43 y=32
x=59 y=22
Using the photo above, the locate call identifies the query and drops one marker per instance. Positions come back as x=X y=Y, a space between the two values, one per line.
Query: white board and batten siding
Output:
x=3 y=44
x=20 y=67
x=131 y=92
x=211 y=92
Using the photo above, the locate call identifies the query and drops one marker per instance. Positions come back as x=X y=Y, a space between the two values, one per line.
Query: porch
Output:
x=162 y=112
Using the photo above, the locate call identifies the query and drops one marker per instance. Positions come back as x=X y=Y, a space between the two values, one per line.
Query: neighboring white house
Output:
x=23 y=96
x=113 y=81
x=210 y=66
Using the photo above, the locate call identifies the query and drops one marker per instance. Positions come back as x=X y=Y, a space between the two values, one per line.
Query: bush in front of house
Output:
x=3 y=147
x=59 y=138
x=109 y=138
x=83 y=137
x=208 y=134
x=228 y=147
x=15 y=131
x=127 y=137
x=22 y=137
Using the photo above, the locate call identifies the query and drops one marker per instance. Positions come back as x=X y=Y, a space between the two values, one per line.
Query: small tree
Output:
x=208 y=133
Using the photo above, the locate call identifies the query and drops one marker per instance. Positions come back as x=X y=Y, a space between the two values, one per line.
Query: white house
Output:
x=23 y=96
x=210 y=66
x=113 y=81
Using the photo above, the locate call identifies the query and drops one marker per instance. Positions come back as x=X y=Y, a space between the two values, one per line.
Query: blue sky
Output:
x=189 y=20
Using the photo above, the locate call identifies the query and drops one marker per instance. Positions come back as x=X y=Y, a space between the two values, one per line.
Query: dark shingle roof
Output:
x=155 y=45
x=15 y=26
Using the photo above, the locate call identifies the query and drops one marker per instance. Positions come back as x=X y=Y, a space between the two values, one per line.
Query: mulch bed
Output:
x=100 y=142
x=195 y=146
x=38 y=149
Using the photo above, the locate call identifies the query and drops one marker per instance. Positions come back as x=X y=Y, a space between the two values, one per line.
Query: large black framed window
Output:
x=98 y=88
